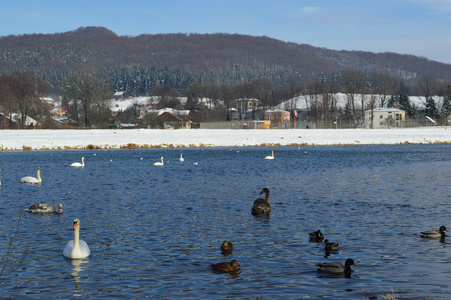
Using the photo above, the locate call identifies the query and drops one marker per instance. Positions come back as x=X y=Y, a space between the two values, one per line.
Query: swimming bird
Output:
x=77 y=164
x=43 y=208
x=316 y=236
x=262 y=206
x=76 y=248
x=226 y=245
x=271 y=156
x=158 y=163
x=434 y=233
x=331 y=246
x=181 y=158
x=335 y=267
x=232 y=266
x=31 y=179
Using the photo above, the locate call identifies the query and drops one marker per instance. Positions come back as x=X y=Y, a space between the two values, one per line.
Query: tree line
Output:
x=86 y=94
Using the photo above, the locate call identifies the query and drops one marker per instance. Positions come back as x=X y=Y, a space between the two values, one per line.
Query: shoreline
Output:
x=86 y=139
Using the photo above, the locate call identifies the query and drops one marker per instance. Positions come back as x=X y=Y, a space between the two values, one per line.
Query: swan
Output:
x=159 y=163
x=43 y=207
x=31 y=179
x=270 y=157
x=181 y=158
x=337 y=267
x=262 y=206
x=76 y=248
x=232 y=266
x=434 y=233
x=0 y=180
x=77 y=164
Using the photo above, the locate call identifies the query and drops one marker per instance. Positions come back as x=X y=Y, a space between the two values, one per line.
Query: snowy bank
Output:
x=148 y=138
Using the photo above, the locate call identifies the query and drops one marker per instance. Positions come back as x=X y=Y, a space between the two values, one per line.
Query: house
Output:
x=244 y=105
x=279 y=118
x=119 y=95
x=170 y=118
x=384 y=117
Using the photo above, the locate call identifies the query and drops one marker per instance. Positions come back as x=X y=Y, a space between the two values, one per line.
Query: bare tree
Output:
x=26 y=89
x=384 y=85
x=89 y=88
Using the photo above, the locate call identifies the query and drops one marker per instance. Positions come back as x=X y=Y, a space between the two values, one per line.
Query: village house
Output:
x=279 y=118
x=384 y=117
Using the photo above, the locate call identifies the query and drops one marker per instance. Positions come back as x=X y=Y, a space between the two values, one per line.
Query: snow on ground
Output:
x=114 y=139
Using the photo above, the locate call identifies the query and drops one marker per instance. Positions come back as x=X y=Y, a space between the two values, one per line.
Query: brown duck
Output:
x=232 y=266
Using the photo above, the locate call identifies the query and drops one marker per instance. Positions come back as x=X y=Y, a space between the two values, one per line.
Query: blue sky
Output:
x=418 y=27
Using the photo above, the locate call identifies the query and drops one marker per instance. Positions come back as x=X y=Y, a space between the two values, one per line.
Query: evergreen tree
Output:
x=431 y=108
x=446 y=108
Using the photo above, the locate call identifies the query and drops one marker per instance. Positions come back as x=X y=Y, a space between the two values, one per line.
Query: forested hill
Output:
x=234 y=56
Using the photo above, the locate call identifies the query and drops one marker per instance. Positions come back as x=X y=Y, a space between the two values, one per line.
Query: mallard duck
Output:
x=44 y=208
x=232 y=266
x=226 y=245
x=337 y=267
x=331 y=246
x=316 y=236
x=434 y=233
x=262 y=206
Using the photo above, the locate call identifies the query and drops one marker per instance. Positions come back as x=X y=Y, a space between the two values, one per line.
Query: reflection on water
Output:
x=155 y=231
x=76 y=269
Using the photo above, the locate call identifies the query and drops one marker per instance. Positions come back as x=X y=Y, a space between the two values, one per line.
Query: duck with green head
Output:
x=316 y=236
x=337 y=268
x=331 y=246
x=434 y=233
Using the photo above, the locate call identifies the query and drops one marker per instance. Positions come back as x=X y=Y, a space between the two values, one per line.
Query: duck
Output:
x=43 y=208
x=31 y=179
x=262 y=206
x=316 y=236
x=232 y=266
x=181 y=159
x=335 y=267
x=77 y=164
x=270 y=156
x=331 y=246
x=434 y=233
x=76 y=248
x=159 y=163
x=226 y=245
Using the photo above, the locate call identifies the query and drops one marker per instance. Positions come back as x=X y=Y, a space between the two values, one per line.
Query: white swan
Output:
x=77 y=164
x=181 y=158
x=159 y=163
x=44 y=208
x=0 y=180
x=76 y=248
x=31 y=179
x=270 y=157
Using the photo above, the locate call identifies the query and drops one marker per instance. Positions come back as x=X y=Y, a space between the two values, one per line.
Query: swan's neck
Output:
x=39 y=175
x=162 y=162
x=272 y=153
x=82 y=162
x=77 y=236
x=267 y=197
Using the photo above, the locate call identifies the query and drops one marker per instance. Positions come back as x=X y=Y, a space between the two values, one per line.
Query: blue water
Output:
x=154 y=231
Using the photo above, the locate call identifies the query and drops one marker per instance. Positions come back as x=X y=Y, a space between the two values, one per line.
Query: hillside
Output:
x=230 y=56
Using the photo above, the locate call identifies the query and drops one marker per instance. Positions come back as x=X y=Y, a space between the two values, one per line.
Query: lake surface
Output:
x=154 y=231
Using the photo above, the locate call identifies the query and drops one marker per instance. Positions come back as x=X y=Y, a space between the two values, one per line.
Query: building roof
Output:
x=386 y=109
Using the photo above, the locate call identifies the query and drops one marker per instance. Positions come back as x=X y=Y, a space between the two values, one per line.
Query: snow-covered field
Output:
x=135 y=138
